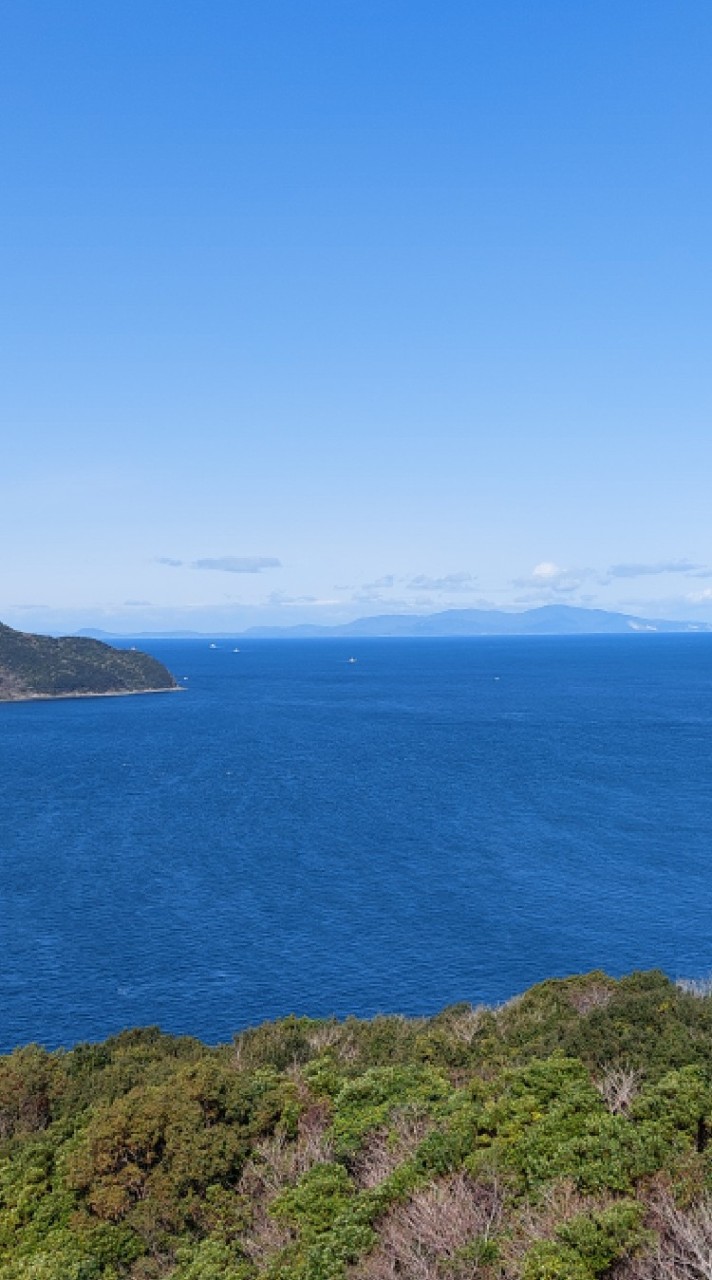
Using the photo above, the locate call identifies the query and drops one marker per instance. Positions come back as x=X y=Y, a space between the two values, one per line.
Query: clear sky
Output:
x=324 y=308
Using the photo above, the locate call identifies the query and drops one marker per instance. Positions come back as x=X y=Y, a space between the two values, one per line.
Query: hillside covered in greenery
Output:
x=34 y=666
x=563 y=1136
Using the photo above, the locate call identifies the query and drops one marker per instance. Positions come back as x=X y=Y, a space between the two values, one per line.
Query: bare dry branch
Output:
x=684 y=1250
x=417 y=1237
x=618 y=1086
x=700 y=987
x=385 y=1149
x=596 y=996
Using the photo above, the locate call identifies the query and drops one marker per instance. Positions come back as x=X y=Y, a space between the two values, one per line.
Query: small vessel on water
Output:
x=213 y=646
x=352 y=659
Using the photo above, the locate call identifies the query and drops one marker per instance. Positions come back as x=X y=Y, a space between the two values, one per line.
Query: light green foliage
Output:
x=316 y=1202
x=331 y=1222
x=549 y=1122
x=365 y=1104
x=210 y=1260
x=587 y=1246
x=676 y=1104
x=548 y=1260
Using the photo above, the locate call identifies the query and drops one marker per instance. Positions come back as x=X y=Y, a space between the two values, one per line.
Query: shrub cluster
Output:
x=563 y=1136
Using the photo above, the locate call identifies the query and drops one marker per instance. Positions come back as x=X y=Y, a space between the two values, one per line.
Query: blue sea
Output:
x=441 y=820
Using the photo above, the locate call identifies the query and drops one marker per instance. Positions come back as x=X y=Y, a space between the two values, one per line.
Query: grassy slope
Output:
x=32 y=666
x=561 y=1137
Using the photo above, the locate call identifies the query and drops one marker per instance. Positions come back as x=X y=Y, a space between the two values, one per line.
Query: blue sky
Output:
x=341 y=307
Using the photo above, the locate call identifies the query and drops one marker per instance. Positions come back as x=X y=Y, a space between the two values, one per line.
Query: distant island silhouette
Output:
x=546 y=620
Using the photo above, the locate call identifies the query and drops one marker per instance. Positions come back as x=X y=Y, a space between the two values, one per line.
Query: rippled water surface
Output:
x=440 y=820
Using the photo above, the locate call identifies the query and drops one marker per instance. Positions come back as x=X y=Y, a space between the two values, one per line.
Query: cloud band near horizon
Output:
x=225 y=564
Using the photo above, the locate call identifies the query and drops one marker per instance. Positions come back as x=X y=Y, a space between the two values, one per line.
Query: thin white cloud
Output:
x=365 y=596
x=224 y=564
x=388 y=580
x=635 y=570
x=375 y=598
x=237 y=564
x=280 y=598
x=449 y=582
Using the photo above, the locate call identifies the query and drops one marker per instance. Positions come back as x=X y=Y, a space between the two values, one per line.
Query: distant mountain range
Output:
x=548 y=620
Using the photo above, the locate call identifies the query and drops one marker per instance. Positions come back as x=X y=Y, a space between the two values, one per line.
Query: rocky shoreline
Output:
x=106 y=693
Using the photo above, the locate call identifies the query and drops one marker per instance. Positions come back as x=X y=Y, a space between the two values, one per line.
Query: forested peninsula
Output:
x=562 y=1136
x=33 y=666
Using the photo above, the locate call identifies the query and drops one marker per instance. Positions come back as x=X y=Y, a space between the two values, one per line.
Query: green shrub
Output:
x=317 y=1200
x=365 y=1103
x=587 y=1246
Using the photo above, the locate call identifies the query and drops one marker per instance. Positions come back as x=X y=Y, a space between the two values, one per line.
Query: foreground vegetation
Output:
x=34 y=666
x=564 y=1136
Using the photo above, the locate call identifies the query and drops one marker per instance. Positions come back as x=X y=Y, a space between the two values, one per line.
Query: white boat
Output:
x=352 y=659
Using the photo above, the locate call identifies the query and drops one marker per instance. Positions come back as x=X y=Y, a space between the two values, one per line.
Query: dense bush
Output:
x=564 y=1136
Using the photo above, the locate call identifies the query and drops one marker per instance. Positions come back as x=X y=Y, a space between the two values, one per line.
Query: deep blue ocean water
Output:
x=441 y=820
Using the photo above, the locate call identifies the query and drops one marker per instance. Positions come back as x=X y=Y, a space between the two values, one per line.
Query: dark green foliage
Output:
x=278 y=1044
x=44 y=667
x=29 y=1080
x=287 y=1155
